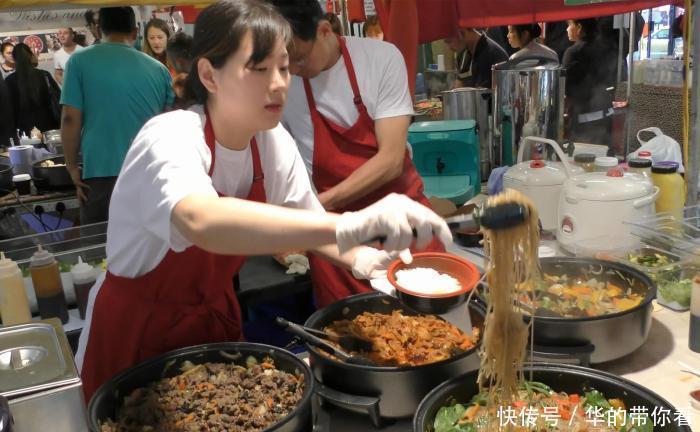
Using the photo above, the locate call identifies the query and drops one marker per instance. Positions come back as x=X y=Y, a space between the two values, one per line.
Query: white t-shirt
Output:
x=60 y=57
x=381 y=76
x=168 y=161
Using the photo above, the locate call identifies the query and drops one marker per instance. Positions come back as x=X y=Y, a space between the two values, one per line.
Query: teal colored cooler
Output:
x=446 y=155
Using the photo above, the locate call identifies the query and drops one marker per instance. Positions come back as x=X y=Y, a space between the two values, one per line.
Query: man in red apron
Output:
x=349 y=109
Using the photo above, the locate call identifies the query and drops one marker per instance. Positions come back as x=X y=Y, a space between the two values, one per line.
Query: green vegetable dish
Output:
x=539 y=408
x=667 y=272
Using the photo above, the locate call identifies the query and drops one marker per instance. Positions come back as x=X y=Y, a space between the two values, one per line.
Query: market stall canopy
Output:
x=35 y=4
x=407 y=23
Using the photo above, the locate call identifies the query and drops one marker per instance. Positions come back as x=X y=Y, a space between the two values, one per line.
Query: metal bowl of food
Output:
x=583 y=302
x=51 y=173
x=256 y=386
x=579 y=395
x=388 y=391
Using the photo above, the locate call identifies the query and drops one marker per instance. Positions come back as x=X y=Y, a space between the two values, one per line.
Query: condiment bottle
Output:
x=644 y=155
x=83 y=279
x=694 y=335
x=14 y=306
x=585 y=161
x=640 y=166
x=604 y=163
x=671 y=188
x=46 y=278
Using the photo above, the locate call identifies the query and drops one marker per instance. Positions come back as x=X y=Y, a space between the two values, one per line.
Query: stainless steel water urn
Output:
x=528 y=101
x=468 y=103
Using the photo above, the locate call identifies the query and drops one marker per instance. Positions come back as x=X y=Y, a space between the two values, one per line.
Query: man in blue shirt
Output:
x=110 y=91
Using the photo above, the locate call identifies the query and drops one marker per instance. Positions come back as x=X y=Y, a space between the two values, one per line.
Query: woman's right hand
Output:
x=394 y=217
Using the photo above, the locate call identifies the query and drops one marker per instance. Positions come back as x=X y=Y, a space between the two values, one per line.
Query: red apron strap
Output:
x=258 y=174
x=210 y=140
x=357 y=99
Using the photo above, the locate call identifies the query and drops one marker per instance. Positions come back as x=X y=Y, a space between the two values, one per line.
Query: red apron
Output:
x=186 y=300
x=338 y=152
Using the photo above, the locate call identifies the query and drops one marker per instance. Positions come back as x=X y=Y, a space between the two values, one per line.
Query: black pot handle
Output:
x=579 y=355
x=366 y=404
x=6 y=420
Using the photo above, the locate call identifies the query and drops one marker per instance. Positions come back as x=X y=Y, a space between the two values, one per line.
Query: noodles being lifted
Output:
x=512 y=258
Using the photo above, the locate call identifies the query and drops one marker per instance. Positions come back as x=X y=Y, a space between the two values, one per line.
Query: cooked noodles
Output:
x=512 y=259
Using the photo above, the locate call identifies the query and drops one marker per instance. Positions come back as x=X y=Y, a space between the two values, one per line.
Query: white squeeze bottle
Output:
x=84 y=276
x=14 y=306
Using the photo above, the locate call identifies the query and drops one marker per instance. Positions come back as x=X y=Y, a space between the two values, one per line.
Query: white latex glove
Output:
x=371 y=263
x=394 y=216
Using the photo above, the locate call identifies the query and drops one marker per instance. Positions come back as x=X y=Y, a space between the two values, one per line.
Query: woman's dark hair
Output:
x=162 y=26
x=29 y=79
x=180 y=51
x=372 y=26
x=90 y=17
x=302 y=15
x=533 y=30
x=589 y=27
x=117 y=20
x=4 y=46
x=218 y=33
x=335 y=23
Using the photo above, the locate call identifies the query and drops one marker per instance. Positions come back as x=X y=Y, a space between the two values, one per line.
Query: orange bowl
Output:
x=466 y=273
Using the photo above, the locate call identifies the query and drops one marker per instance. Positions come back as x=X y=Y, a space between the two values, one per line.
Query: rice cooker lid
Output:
x=540 y=173
x=604 y=187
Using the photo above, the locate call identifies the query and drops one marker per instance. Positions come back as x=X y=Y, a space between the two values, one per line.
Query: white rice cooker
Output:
x=541 y=181
x=593 y=207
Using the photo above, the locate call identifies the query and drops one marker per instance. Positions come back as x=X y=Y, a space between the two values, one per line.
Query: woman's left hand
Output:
x=371 y=263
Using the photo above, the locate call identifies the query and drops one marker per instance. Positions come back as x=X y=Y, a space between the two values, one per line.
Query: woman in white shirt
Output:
x=525 y=38
x=202 y=188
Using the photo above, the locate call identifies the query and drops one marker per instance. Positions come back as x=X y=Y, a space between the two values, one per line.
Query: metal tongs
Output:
x=497 y=217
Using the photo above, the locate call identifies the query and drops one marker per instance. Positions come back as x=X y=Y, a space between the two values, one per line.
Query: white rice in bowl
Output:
x=427 y=281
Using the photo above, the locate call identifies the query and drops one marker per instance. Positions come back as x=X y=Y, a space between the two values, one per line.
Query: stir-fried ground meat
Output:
x=402 y=340
x=214 y=397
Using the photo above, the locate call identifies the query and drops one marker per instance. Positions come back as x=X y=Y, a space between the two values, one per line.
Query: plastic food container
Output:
x=672 y=273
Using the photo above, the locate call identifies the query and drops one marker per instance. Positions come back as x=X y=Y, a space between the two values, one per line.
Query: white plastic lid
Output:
x=21 y=177
x=82 y=272
x=42 y=258
x=606 y=161
x=7 y=266
x=602 y=187
x=541 y=173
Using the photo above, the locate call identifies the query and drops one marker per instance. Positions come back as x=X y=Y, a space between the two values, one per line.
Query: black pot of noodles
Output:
x=385 y=391
x=594 y=303
x=231 y=386
x=584 y=399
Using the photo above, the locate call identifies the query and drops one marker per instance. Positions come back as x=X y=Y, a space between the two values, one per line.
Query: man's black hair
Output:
x=117 y=20
x=303 y=16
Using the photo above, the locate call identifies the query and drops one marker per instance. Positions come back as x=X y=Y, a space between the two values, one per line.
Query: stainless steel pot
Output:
x=468 y=103
x=610 y=336
x=378 y=391
x=528 y=100
x=52 y=139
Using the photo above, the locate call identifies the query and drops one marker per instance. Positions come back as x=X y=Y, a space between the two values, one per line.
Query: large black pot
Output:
x=6 y=185
x=55 y=177
x=381 y=392
x=609 y=336
x=570 y=379
x=108 y=398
